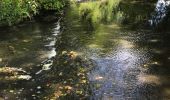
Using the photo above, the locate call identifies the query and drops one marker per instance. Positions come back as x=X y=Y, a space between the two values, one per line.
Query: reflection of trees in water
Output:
x=127 y=12
x=98 y=11
x=160 y=19
x=160 y=12
x=136 y=12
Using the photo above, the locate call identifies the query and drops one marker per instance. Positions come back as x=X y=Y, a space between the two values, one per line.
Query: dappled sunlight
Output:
x=119 y=65
x=124 y=56
x=155 y=63
x=154 y=40
x=150 y=64
x=113 y=26
x=166 y=92
x=102 y=50
x=104 y=37
x=149 y=79
x=13 y=74
x=168 y=58
x=99 y=78
x=94 y=46
x=153 y=79
x=158 y=51
x=126 y=44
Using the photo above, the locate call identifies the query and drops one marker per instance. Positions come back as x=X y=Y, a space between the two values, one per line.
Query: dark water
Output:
x=129 y=63
x=160 y=12
x=29 y=47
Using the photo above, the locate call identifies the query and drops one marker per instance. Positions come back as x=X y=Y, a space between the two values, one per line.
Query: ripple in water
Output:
x=47 y=64
x=115 y=77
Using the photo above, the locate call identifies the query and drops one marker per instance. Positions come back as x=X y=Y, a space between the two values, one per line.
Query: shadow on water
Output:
x=136 y=12
x=132 y=61
x=39 y=61
x=26 y=51
x=122 y=59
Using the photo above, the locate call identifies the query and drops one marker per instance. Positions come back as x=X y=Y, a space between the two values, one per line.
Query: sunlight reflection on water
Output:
x=115 y=76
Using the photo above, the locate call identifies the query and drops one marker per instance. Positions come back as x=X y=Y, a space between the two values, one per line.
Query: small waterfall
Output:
x=47 y=64
x=160 y=12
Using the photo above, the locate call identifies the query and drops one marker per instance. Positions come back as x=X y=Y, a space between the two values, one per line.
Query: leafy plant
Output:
x=98 y=11
x=51 y=4
x=14 y=11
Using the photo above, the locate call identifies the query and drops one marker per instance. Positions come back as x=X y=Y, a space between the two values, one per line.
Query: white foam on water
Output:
x=47 y=64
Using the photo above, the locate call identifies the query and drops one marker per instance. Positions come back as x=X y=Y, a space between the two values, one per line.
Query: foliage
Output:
x=14 y=11
x=98 y=11
x=51 y=4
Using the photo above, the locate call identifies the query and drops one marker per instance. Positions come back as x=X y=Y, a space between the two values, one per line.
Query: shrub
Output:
x=51 y=4
x=98 y=11
x=14 y=11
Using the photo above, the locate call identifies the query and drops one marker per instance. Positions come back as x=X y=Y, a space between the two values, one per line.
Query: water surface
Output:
x=130 y=61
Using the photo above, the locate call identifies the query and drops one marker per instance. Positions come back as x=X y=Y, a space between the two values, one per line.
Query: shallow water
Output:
x=30 y=47
x=129 y=63
x=136 y=69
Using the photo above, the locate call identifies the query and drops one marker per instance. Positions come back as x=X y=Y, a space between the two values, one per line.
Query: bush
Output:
x=51 y=4
x=98 y=11
x=14 y=11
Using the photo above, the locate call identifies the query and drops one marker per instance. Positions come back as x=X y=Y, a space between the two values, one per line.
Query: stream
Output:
x=30 y=48
x=128 y=63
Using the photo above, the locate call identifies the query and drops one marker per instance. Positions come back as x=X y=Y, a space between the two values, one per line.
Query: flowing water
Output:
x=30 y=48
x=128 y=63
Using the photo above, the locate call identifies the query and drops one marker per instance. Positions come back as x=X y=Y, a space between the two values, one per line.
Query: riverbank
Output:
x=34 y=58
x=67 y=60
x=13 y=12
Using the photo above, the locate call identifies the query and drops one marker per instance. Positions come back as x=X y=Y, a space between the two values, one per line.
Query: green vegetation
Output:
x=52 y=4
x=14 y=11
x=126 y=12
x=99 y=11
x=87 y=54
